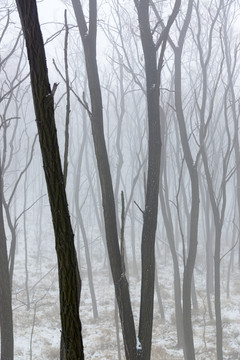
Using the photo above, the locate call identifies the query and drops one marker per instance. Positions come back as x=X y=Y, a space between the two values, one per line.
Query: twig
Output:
x=138 y=207
x=229 y=250
x=122 y=234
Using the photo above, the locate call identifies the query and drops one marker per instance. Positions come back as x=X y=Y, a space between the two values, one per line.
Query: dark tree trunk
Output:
x=120 y=282
x=153 y=73
x=69 y=278
x=151 y=202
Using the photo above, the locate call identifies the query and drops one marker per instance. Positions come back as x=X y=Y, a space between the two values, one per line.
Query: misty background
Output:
x=209 y=102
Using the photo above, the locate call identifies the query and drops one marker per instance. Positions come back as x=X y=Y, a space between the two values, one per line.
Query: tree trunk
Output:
x=188 y=269
x=6 y=321
x=217 y=299
x=153 y=74
x=96 y=116
x=167 y=218
x=151 y=201
x=69 y=278
x=189 y=352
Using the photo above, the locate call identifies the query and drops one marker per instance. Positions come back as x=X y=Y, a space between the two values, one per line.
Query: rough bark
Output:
x=69 y=278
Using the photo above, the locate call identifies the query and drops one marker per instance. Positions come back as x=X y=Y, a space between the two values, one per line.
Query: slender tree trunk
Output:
x=209 y=251
x=153 y=73
x=25 y=236
x=170 y=235
x=159 y=297
x=177 y=280
x=133 y=244
x=231 y=260
x=117 y=329
x=230 y=71
x=189 y=266
x=68 y=108
x=80 y=223
x=218 y=216
x=96 y=115
x=6 y=321
x=189 y=351
x=217 y=300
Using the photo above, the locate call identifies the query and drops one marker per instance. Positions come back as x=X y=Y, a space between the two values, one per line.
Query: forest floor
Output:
x=37 y=329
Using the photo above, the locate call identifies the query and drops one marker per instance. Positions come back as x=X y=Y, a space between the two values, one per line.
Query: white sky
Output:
x=50 y=10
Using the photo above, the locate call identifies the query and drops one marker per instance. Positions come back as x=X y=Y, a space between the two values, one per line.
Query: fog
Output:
x=145 y=206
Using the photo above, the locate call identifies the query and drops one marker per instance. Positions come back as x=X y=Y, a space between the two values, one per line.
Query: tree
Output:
x=168 y=222
x=231 y=63
x=6 y=321
x=142 y=348
x=43 y=98
x=189 y=352
x=8 y=127
x=153 y=68
x=217 y=195
x=88 y=36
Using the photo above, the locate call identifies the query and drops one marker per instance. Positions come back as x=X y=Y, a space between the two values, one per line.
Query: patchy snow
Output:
x=139 y=345
x=38 y=331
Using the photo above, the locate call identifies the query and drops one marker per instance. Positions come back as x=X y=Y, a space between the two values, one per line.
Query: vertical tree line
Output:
x=147 y=162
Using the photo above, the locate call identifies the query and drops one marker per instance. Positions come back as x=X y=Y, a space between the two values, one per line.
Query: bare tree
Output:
x=217 y=195
x=6 y=321
x=8 y=128
x=168 y=222
x=231 y=53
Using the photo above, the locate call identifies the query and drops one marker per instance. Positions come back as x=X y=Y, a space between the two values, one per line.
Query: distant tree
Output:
x=8 y=128
x=189 y=351
x=6 y=321
x=217 y=193
x=43 y=98
x=231 y=51
x=168 y=222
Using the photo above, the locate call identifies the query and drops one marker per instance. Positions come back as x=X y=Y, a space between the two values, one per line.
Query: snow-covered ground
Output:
x=37 y=329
